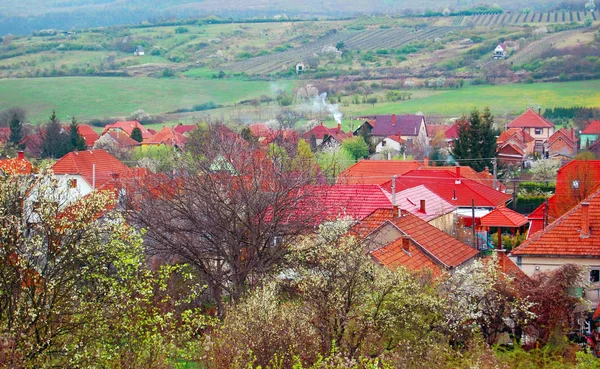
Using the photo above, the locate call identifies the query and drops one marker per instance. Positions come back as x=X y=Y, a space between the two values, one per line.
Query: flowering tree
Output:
x=73 y=289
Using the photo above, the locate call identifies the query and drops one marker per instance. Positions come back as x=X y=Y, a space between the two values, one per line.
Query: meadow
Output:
x=92 y=97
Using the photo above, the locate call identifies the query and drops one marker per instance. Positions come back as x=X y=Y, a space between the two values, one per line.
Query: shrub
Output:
x=181 y=30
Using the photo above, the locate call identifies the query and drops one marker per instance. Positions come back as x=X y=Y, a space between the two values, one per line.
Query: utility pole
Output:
x=495 y=162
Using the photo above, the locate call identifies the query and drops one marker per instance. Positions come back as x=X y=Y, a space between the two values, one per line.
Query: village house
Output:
x=139 y=51
x=392 y=145
x=574 y=182
x=321 y=133
x=411 y=128
x=561 y=145
x=500 y=52
x=396 y=238
x=18 y=165
x=185 y=129
x=166 y=136
x=448 y=131
x=260 y=130
x=376 y=171
x=536 y=126
x=589 y=135
x=573 y=238
x=117 y=139
x=127 y=127
x=425 y=204
x=81 y=172
x=89 y=135
x=513 y=146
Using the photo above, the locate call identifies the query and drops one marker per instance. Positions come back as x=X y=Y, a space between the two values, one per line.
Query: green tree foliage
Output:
x=247 y=135
x=136 y=134
x=74 y=290
x=55 y=143
x=357 y=147
x=76 y=139
x=16 y=130
x=476 y=141
x=333 y=159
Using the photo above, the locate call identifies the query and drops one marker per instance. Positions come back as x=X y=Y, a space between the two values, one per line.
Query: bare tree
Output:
x=287 y=118
x=230 y=211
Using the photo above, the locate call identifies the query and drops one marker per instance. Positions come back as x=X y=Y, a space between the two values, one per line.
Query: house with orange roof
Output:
x=573 y=238
x=562 y=144
x=376 y=171
x=574 y=182
x=260 y=130
x=118 y=139
x=536 y=126
x=396 y=238
x=127 y=127
x=589 y=134
x=81 y=172
x=321 y=132
x=185 y=129
x=89 y=135
x=18 y=165
x=393 y=144
x=166 y=136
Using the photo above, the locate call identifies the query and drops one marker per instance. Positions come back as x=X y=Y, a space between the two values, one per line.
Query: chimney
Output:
x=423 y=209
x=486 y=170
x=21 y=155
x=339 y=127
x=395 y=211
x=572 y=133
x=426 y=162
x=394 y=190
x=321 y=124
x=454 y=195
x=406 y=243
x=585 y=219
x=457 y=171
x=539 y=110
x=393 y=120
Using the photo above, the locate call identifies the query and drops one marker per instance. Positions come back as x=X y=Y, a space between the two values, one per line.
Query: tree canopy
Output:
x=476 y=141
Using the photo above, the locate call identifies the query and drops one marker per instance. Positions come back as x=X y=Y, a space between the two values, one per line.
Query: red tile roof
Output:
x=530 y=119
x=410 y=200
x=440 y=247
x=355 y=201
x=4 y=134
x=563 y=237
x=503 y=217
x=396 y=138
x=128 y=127
x=448 y=186
x=16 y=166
x=376 y=171
x=517 y=133
x=592 y=129
x=86 y=132
x=166 y=136
x=567 y=135
x=182 y=129
x=320 y=131
x=122 y=139
x=260 y=130
x=107 y=167
x=394 y=256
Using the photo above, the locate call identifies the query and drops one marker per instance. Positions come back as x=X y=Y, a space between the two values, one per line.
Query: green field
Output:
x=509 y=99
x=90 y=97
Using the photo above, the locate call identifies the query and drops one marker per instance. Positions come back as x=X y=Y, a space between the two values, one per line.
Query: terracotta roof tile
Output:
x=107 y=167
x=16 y=166
x=592 y=129
x=86 y=132
x=122 y=139
x=128 y=127
x=376 y=171
x=166 y=136
x=439 y=246
x=320 y=131
x=530 y=119
x=503 y=217
x=182 y=129
x=410 y=200
x=563 y=237
x=394 y=256
x=260 y=130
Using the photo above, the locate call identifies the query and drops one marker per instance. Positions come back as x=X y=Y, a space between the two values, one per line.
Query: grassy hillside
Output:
x=88 y=97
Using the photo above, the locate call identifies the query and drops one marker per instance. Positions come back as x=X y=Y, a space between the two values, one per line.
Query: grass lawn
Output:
x=95 y=97
x=510 y=99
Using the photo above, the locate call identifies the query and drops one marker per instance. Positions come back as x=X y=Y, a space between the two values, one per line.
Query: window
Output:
x=519 y=260
x=595 y=275
x=383 y=143
x=73 y=183
x=538 y=131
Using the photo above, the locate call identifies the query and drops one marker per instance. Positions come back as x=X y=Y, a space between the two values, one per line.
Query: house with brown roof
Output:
x=409 y=127
x=536 y=126
x=396 y=238
x=81 y=172
x=573 y=238
x=562 y=144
